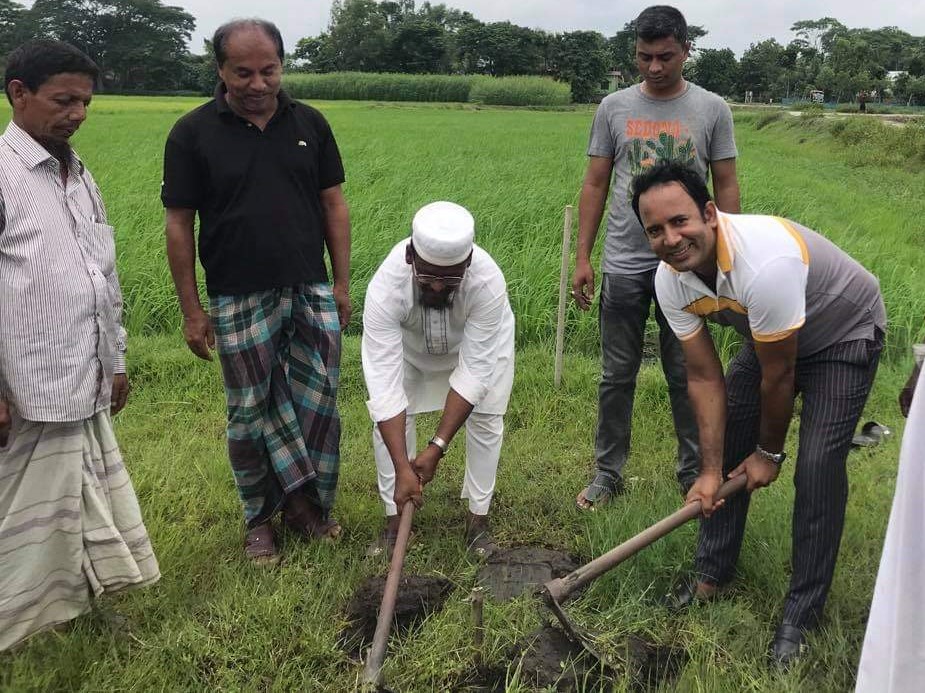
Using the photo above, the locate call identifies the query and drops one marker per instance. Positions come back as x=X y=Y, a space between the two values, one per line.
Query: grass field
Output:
x=216 y=623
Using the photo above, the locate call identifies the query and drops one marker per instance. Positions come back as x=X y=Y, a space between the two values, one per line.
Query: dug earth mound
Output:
x=508 y=573
x=547 y=659
x=418 y=597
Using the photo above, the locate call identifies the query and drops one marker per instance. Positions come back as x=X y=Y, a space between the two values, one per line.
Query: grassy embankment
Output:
x=215 y=622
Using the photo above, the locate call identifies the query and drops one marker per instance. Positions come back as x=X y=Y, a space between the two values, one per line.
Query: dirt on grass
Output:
x=418 y=596
x=547 y=659
x=508 y=573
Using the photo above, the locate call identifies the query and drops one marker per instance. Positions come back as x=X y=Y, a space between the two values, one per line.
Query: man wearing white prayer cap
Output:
x=438 y=335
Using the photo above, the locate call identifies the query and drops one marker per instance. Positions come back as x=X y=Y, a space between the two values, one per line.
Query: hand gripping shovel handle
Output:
x=372 y=674
x=560 y=588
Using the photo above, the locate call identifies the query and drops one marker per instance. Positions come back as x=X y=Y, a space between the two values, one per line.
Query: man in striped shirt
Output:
x=813 y=321
x=70 y=526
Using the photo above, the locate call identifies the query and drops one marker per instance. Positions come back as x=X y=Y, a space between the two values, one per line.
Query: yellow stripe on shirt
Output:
x=707 y=305
x=804 y=251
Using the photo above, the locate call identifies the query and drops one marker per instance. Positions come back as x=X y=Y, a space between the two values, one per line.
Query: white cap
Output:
x=442 y=233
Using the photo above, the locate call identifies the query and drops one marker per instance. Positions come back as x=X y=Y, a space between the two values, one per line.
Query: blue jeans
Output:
x=624 y=309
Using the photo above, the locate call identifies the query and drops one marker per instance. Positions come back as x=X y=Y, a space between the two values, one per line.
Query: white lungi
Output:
x=893 y=657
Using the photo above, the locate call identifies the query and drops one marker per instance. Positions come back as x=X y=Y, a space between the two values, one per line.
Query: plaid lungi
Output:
x=280 y=356
x=70 y=527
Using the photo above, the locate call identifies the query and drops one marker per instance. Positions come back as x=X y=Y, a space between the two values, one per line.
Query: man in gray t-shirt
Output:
x=663 y=117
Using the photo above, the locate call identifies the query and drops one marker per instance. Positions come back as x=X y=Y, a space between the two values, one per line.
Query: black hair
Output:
x=661 y=21
x=35 y=62
x=665 y=172
x=220 y=37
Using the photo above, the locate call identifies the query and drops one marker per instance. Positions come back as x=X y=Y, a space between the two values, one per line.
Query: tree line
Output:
x=141 y=45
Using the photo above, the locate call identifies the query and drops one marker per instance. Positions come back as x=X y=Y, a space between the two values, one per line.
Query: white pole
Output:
x=563 y=285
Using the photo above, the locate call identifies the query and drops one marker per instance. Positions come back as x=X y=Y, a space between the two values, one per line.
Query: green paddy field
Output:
x=215 y=622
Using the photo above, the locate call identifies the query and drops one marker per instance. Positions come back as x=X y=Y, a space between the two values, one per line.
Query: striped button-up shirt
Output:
x=61 y=336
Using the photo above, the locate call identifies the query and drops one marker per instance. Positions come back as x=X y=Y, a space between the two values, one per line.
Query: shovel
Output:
x=372 y=674
x=557 y=591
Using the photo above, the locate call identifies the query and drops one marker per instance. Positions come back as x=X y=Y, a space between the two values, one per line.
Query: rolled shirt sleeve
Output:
x=382 y=353
x=480 y=348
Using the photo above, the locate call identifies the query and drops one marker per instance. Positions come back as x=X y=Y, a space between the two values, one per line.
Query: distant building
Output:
x=893 y=75
x=614 y=80
x=817 y=96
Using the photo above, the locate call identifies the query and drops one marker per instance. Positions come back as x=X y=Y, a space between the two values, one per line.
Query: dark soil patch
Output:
x=649 y=664
x=508 y=573
x=418 y=596
x=548 y=659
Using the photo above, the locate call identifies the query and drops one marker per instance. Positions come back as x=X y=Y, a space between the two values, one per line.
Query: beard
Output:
x=434 y=299
x=60 y=149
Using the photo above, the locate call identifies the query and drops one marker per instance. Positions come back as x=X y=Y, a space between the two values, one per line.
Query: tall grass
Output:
x=369 y=86
x=216 y=623
x=519 y=91
x=516 y=171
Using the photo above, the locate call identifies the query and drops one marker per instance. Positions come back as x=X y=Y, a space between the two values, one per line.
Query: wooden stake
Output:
x=563 y=295
x=478 y=625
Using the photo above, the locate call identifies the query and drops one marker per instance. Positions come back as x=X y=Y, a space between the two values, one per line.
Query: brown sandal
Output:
x=260 y=546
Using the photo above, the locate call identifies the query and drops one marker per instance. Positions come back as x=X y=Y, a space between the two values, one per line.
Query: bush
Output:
x=368 y=86
x=519 y=91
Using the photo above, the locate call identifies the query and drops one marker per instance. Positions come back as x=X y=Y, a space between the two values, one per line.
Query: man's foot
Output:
x=385 y=542
x=788 y=645
x=309 y=521
x=690 y=591
x=599 y=492
x=478 y=536
x=260 y=546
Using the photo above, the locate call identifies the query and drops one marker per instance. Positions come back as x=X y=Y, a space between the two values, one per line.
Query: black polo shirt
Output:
x=257 y=193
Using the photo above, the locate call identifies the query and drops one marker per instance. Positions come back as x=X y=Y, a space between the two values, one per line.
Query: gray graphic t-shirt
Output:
x=636 y=131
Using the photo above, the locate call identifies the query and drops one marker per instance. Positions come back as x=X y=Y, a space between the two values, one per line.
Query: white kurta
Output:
x=412 y=355
x=893 y=657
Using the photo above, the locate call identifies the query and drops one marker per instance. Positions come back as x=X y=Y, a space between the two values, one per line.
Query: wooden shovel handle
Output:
x=561 y=588
x=372 y=674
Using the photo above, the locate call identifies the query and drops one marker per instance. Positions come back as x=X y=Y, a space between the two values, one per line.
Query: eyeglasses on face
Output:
x=448 y=281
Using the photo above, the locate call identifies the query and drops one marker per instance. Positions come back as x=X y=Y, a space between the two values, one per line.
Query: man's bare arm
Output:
x=725 y=185
x=181 y=254
x=337 y=240
x=590 y=211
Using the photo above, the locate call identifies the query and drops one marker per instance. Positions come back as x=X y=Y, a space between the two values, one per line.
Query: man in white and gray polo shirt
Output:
x=813 y=320
x=662 y=118
x=70 y=527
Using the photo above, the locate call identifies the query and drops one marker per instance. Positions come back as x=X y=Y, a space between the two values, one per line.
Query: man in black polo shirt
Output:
x=264 y=174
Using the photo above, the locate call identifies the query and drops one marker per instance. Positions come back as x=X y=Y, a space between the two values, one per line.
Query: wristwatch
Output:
x=773 y=457
x=440 y=443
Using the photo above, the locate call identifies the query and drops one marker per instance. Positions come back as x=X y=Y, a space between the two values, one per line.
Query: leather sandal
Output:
x=260 y=546
x=599 y=492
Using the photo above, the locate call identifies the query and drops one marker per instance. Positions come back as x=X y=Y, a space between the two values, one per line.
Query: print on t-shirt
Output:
x=651 y=141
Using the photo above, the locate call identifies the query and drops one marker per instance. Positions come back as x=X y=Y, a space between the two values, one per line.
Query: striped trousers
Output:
x=833 y=384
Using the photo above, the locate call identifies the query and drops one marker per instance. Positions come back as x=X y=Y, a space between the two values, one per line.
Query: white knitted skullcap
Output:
x=442 y=233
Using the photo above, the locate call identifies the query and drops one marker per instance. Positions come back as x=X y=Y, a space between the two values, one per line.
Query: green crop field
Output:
x=215 y=622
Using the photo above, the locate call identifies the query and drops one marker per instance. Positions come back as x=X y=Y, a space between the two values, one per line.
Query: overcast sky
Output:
x=732 y=24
